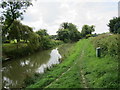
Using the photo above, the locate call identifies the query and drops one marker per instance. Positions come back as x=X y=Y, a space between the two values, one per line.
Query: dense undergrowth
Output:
x=109 y=44
x=13 y=50
x=99 y=72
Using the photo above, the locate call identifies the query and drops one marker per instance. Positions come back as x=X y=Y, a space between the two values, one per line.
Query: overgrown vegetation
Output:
x=108 y=43
x=12 y=50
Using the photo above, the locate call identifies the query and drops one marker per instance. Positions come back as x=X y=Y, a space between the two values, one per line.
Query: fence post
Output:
x=98 y=52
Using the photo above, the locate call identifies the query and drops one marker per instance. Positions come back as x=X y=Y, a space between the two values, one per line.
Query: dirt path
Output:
x=84 y=81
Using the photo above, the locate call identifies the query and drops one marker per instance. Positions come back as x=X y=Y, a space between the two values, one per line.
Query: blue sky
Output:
x=49 y=14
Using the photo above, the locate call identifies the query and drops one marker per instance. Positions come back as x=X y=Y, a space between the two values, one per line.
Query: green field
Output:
x=81 y=69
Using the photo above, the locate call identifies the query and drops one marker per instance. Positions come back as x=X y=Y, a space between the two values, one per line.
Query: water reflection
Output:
x=15 y=71
x=54 y=59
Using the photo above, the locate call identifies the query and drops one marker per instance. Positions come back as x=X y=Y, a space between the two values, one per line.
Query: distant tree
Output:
x=64 y=35
x=74 y=33
x=114 y=25
x=44 y=39
x=86 y=29
x=12 y=10
x=42 y=32
x=64 y=25
x=68 y=32
x=53 y=37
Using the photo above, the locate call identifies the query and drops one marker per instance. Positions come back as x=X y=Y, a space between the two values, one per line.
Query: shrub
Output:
x=108 y=43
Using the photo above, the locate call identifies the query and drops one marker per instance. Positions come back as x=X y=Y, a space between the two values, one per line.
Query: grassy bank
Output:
x=81 y=68
x=14 y=50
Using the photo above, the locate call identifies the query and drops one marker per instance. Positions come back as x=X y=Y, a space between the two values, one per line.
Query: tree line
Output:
x=13 y=29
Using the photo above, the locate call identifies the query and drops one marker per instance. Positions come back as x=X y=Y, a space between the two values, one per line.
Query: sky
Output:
x=49 y=14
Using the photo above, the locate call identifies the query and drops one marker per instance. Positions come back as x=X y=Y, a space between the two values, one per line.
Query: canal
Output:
x=15 y=71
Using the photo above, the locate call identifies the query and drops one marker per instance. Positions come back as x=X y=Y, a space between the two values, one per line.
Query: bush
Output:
x=108 y=43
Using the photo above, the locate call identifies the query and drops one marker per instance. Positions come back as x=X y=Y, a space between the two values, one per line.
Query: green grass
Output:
x=98 y=72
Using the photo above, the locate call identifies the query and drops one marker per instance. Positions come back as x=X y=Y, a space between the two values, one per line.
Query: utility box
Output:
x=98 y=52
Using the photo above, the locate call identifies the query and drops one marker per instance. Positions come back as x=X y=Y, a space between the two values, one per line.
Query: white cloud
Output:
x=50 y=14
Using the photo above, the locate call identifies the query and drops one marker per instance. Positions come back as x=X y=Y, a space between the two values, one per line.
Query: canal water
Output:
x=15 y=71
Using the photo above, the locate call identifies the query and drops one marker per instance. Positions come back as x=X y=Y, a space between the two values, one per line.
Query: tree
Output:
x=34 y=41
x=26 y=30
x=64 y=35
x=15 y=31
x=68 y=32
x=86 y=29
x=114 y=25
x=42 y=32
x=13 y=10
x=45 y=41
x=19 y=31
x=64 y=25
x=117 y=28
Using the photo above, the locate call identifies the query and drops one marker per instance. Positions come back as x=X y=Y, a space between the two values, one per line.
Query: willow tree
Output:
x=34 y=41
x=19 y=31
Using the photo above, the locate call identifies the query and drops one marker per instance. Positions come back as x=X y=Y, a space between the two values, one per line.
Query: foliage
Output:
x=108 y=43
x=42 y=32
x=19 y=31
x=114 y=25
x=68 y=32
x=34 y=41
x=10 y=50
x=45 y=40
x=63 y=35
x=86 y=29
x=13 y=10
